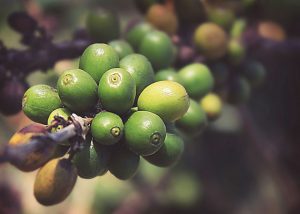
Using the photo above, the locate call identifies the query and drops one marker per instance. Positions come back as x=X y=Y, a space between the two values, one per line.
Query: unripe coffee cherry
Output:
x=136 y=34
x=194 y=120
x=140 y=69
x=103 y=25
x=169 y=154
x=211 y=40
x=197 y=79
x=157 y=46
x=107 y=128
x=39 y=101
x=77 y=90
x=145 y=133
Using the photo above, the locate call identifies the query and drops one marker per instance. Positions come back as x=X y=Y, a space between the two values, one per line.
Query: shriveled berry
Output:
x=27 y=154
x=55 y=181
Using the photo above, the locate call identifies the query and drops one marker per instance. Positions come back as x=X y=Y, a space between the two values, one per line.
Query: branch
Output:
x=42 y=53
x=18 y=152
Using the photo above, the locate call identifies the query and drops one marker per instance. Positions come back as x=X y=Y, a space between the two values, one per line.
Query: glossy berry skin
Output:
x=211 y=40
x=77 y=90
x=11 y=94
x=140 y=69
x=158 y=48
x=107 y=128
x=124 y=163
x=169 y=154
x=117 y=91
x=91 y=160
x=145 y=133
x=135 y=35
x=55 y=181
x=167 y=74
x=197 y=79
x=39 y=101
x=167 y=99
x=194 y=120
x=103 y=25
x=97 y=59
x=122 y=47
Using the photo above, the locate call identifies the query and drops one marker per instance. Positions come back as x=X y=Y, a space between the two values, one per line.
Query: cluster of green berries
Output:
x=137 y=103
x=135 y=111
x=218 y=40
x=132 y=115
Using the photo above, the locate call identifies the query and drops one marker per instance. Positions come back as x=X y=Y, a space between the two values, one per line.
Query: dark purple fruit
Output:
x=11 y=94
x=22 y=22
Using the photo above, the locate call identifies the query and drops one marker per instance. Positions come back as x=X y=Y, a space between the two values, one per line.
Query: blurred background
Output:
x=247 y=161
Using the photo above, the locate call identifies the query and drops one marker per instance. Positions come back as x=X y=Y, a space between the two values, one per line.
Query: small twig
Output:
x=17 y=152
